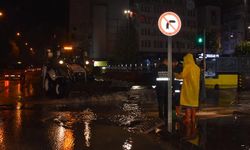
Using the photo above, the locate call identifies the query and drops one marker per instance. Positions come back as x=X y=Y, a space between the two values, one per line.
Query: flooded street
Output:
x=125 y=120
x=97 y=122
x=27 y=129
x=125 y=75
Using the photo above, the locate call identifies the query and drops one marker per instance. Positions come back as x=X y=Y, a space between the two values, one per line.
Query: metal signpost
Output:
x=169 y=24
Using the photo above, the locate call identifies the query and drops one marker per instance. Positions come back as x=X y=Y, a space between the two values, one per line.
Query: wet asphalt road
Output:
x=31 y=121
x=104 y=118
x=32 y=130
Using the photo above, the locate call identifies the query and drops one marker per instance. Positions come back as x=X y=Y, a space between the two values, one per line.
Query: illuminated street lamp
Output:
x=1 y=14
x=231 y=36
x=128 y=13
x=18 y=34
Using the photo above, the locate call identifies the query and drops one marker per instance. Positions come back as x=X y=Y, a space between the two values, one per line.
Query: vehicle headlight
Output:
x=86 y=62
x=61 y=62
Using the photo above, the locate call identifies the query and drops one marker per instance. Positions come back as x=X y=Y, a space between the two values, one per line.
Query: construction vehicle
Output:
x=64 y=70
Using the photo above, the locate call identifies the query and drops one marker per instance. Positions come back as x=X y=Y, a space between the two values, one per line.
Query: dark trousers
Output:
x=163 y=107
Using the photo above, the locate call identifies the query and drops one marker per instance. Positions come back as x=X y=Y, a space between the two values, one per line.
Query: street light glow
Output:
x=18 y=33
x=61 y=62
x=127 y=11
x=69 y=48
x=1 y=14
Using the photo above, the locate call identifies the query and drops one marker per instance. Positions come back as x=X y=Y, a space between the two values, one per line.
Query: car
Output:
x=12 y=72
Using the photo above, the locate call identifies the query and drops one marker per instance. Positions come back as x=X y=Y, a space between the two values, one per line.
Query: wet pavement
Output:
x=78 y=122
x=125 y=120
x=28 y=129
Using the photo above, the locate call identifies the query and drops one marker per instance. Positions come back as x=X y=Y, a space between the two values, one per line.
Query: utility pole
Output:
x=245 y=19
x=204 y=52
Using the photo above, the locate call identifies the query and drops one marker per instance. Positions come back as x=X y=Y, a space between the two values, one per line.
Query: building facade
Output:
x=209 y=22
x=235 y=22
x=151 y=40
x=95 y=25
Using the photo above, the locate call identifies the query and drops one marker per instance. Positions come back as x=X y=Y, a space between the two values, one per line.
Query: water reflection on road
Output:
x=105 y=122
x=61 y=138
x=90 y=125
x=12 y=90
x=31 y=129
x=2 y=138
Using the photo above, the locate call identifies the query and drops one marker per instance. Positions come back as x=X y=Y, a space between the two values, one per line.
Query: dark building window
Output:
x=191 y=13
x=142 y=32
x=158 y=44
x=155 y=44
x=148 y=20
x=146 y=43
x=145 y=8
x=234 y=27
x=148 y=32
x=149 y=43
x=161 y=44
x=214 y=18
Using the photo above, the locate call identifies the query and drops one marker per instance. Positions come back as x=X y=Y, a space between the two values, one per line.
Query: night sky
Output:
x=30 y=13
x=37 y=21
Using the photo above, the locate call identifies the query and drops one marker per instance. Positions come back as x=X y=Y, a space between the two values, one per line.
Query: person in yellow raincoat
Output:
x=189 y=98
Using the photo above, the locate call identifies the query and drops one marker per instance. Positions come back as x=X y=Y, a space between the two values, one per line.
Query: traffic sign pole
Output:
x=170 y=84
x=169 y=24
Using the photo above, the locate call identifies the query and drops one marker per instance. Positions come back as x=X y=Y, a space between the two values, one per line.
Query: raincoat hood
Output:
x=189 y=59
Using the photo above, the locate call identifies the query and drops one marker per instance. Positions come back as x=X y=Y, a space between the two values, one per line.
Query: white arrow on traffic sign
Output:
x=169 y=23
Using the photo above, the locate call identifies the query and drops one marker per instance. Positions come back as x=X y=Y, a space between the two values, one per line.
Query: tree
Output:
x=243 y=49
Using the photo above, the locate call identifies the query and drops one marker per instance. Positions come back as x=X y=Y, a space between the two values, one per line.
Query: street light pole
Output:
x=245 y=19
x=128 y=15
x=204 y=53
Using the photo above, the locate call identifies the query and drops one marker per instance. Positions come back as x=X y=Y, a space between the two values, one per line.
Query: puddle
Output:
x=68 y=119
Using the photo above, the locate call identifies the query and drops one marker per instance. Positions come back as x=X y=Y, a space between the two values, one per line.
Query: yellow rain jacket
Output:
x=191 y=82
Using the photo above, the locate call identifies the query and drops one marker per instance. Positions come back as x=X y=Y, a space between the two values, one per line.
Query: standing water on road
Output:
x=99 y=122
x=116 y=120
